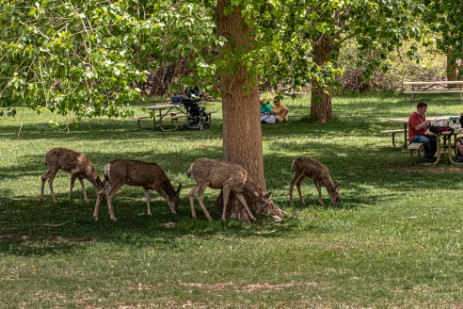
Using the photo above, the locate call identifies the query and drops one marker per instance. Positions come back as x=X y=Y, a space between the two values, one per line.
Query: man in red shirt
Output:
x=417 y=126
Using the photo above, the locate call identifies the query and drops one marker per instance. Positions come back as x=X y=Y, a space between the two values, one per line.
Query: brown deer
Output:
x=308 y=167
x=72 y=162
x=150 y=176
x=229 y=177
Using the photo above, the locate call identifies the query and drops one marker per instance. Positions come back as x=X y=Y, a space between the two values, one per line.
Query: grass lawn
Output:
x=395 y=240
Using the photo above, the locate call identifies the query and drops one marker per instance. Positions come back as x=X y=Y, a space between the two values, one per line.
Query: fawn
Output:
x=230 y=177
x=150 y=176
x=309 y=167
x=72 y=162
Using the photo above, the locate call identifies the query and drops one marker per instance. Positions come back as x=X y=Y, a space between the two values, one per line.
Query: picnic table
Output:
x=433 y=87
x=448 y=135
x=404 y=121
x=447 y=149
x=167 y=112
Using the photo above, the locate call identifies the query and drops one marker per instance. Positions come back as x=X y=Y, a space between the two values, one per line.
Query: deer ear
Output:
x=337 y=186
x=179 y=188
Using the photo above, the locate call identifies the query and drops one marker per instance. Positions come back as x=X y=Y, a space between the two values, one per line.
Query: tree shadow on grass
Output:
x=29 y=227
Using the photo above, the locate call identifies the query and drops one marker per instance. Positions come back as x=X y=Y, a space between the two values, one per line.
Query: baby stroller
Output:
x=197 y=117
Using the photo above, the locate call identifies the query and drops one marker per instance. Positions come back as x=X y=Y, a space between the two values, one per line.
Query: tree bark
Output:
x=242 y=132
x=320 y=104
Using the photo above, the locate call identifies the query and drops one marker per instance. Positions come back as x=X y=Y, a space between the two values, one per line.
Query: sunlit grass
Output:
x=395 y=240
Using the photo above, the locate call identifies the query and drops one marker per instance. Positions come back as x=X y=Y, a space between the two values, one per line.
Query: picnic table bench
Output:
x=394 y=132
x=415 y=88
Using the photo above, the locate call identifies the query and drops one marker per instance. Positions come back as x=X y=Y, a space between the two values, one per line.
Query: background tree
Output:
x=90 y=57
x=311 y=33
x=443 y=19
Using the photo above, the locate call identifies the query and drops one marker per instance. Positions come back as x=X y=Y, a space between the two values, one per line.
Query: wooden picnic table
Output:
x=404 y=121
x=170 y=111
x=448 y=149
x=431 y=87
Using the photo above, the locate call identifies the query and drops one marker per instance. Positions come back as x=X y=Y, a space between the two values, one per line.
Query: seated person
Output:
x=459 y=143
x=264 y=106
x=281 y=111
x=417 y=126
x=266 y=113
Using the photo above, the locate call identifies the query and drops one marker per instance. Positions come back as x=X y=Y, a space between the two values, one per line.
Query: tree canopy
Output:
x=91 y=57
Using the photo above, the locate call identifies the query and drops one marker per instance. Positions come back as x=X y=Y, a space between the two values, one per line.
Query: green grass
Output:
x=395 y=240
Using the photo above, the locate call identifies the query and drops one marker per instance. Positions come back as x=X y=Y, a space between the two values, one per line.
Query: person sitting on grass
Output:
x=265 y=107
x=281 y=111
x=417 y=126
x=266 y=113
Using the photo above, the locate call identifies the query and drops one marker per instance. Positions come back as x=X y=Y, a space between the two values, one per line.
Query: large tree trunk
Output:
x=242 y=133
x=320 y=104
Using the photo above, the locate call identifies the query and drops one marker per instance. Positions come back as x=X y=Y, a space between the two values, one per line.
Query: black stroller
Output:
x=197 y=117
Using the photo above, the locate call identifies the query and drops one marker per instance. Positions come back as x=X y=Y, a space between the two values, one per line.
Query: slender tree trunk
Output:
x=242 y=132
x=453 y=72
x=320 y=104
x=452 y=69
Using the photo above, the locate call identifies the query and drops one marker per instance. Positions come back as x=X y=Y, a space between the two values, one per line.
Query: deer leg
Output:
x=243 y=201
x=73 y=179
x=82 y=184
x=50 y=184
x=319 y=189
x=109 y=197
x=298 y=185
x=226 y=196
x=97 y=205
x=203 y=207
x=148 y=198
x=191 y=195
x=291 y=187
x=200 y=193
x=42 y=187
x=99 y=197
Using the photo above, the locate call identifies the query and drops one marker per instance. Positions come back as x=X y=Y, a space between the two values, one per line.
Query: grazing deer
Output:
x=150 y=176
x=308 y=167
x=218 y=174
x=73 y=162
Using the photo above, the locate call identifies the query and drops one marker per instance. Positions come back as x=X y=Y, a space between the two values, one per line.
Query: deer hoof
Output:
x=95 y=218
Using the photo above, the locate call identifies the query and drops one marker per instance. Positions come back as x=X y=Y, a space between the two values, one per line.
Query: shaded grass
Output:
x=395 y=240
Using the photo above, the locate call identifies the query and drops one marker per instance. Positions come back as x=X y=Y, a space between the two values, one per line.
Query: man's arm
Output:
x=417 y=125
